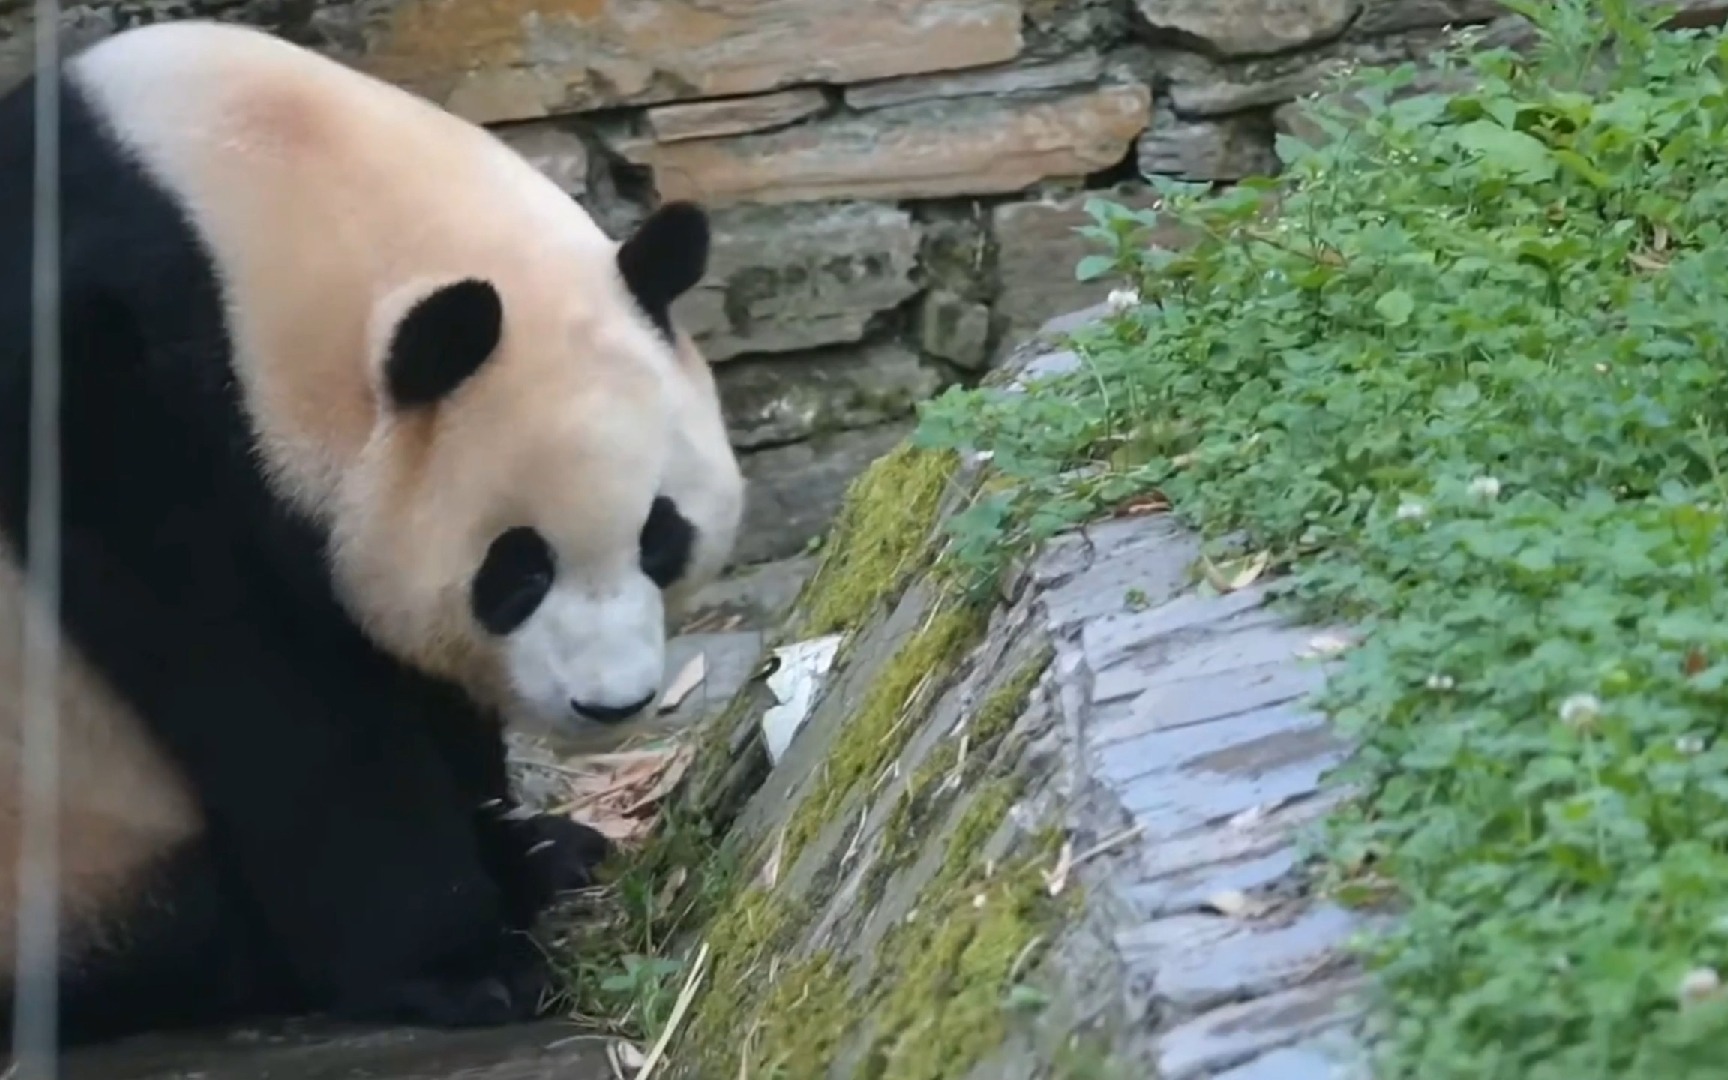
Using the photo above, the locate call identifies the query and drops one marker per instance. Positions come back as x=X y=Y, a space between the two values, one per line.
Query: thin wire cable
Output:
x=35 y=1021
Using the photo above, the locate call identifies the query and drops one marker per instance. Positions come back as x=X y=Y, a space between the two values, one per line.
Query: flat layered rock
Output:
x=734 y=116
x=1251 y=27
x=967 y=146
x=545 y=1051
x=787 y=278
x=779 y=400
x=496 y=60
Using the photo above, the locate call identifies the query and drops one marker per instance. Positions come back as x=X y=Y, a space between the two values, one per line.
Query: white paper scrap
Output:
x=803 y=666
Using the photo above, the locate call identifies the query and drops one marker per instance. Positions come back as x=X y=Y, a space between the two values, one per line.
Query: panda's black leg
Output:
x=344 y=830
x=520 y=988
x=181 y=954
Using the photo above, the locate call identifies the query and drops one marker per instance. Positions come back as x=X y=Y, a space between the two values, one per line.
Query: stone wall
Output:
x=896 y=182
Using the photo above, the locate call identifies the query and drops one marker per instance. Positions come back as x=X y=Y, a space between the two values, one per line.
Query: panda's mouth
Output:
x=611 y=714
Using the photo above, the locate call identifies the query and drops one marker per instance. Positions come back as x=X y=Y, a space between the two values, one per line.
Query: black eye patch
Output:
x=667 y=537
x=512 y=580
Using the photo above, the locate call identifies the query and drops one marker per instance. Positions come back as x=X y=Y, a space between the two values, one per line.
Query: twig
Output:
x=1109 y=843
x=697 y=970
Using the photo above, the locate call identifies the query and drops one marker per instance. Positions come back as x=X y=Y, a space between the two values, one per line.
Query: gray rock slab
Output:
x=1226 y=148
x=794 y=490
x=771 y=401
x=1185 y=798
x=1233 y=957
x=792 y=278
x=1163 y=662
x=544 y=1051
x=996 y=79
x=1191 y=889
x=758 y=596
x=1250 y=27
x=1226 y=693
x=1192 y=714
x=1176 y=860
x=1305 y=1061
x=1150 y=566
x=1235 y=1034
x=1113 y=639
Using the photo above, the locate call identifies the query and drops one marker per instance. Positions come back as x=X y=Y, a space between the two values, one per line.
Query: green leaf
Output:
x=1576 y=164
x=1525 y=156
x=1395 y=307
x=1093 y=267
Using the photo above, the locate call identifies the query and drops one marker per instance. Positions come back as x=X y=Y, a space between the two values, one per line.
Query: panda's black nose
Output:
x=610 y=714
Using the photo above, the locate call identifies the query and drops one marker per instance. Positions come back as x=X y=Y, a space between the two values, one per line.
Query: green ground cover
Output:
x=1468 y=385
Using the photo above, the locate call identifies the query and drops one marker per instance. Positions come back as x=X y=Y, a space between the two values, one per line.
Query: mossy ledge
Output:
x=877 y=730
x=881 y=538
x=931 y=1006
x=830 y=923
x=787 y=998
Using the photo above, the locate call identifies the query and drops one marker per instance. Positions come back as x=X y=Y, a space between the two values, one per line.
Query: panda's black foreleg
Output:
x=350 y=843
x=532 y=857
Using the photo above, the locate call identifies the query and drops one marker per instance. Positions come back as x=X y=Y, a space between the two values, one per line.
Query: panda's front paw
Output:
x=535 y=858
x=563 y=854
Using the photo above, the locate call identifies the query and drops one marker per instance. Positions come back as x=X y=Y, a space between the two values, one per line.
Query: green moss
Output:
x=989 y=807
x=878 y=729
x=923 y=794
x=944 y=975
x=910 y=808
x=879 y=539
x=993 y=719
x=934 y=1004
x=742 y=940
x=802 y=1022
x=1007 y=702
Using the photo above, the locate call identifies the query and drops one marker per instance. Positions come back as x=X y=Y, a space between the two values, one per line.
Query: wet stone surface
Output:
x=1191 y=720
x=1170 y=736
x=307 y=1052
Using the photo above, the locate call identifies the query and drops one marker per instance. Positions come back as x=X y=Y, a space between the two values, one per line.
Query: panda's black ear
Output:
x=664 y=258
x=443 y=339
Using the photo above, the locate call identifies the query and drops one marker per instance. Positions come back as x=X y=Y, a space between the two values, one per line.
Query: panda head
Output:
x=548 y=475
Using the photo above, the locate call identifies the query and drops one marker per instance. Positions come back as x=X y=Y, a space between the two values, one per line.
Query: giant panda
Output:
x=372 y=445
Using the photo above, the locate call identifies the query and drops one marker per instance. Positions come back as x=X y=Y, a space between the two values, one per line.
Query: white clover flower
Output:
x=1121 y=300
x=1485 y=487
x=1698 y=984
x=1580 y=710
x=1411 y=510
x=1441 y=682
